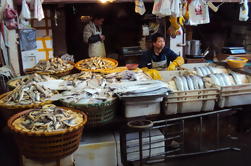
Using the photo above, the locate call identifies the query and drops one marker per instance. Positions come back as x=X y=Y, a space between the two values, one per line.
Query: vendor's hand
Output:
x=102 y=37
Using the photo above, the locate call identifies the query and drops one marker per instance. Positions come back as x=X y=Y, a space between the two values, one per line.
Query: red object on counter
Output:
x=132 y=66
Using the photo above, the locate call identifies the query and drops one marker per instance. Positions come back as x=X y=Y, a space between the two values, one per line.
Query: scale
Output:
x=233 y=50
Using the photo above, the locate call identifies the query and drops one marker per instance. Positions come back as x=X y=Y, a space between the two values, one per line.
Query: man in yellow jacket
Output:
x=160 y=56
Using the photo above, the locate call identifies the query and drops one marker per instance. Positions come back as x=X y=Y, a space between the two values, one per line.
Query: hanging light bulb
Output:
x=104 y=1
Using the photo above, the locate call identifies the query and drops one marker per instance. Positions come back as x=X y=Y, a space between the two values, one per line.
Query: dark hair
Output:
x=155 y=37
x=97 y=16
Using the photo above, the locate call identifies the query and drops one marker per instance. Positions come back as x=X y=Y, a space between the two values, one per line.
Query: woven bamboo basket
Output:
x=56 y=73
x=113 y=61
x=98 y=114
x=7 y=110
x=47 y=146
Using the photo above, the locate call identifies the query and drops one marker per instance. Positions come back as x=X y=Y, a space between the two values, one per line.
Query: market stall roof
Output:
x=98 y=1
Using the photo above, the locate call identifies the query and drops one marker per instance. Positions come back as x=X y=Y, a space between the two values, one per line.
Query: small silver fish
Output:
x=190 y=83
x=179 y=84
x=236 y=78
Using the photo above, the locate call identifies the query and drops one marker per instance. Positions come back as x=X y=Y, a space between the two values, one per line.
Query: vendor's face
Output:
x=160 y=43
x=99 y=21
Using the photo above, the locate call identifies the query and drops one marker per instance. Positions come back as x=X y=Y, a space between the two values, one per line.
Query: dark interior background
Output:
x=122 y=28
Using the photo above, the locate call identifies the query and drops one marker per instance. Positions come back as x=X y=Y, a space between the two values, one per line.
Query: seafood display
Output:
x=53 y=65
x=27 y=94
x=30 y=78
x=185 y=83
x=205 y=70
x=222 y=79
x=84 y=75
x=48 y=119
x=96 y=63
x=127 y=75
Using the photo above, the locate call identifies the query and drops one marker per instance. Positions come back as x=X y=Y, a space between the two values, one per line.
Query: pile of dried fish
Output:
x=127 y=75
x=84 y=75
x=53 y=65
x=96 y=63
x=48 y=119
x=184 y=83
x=87 y=96
x=205 y=70
x=27 y=94
x=30 y=78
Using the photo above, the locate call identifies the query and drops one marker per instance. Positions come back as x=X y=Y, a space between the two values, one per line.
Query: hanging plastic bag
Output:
x=198 y=12
x=38 y=10
x=162 y=8
x=176 y=7
x=25 y=12
x=243 y=16
x=140 y=7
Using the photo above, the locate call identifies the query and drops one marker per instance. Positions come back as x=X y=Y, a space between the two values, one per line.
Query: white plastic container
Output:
x=157 y=145
x=188 y=101
x=235 y=95
x=142 y=106
x=97 y=149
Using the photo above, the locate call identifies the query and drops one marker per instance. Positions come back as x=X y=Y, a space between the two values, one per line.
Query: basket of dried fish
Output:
x=18 y=81
x=54 y=66
x=96 y=64
x=27 y=96
x=48 y=133
x=98 y=113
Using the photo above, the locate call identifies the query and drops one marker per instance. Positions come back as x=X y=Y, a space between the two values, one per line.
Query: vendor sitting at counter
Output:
x=160 y=56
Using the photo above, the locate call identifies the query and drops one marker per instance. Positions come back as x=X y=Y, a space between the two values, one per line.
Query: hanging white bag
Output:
x=140 y=7
x=176 y=7
x=162 y=8
x=25 y=12
x=198 y=12
x=38 y=10
x=243 y=16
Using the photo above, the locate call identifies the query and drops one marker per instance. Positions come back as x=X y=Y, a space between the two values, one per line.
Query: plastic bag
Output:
x=9 y=13
x=38 y=10
x=243 y=16
x=162 y=8
x=25 y=12
x=198 y=12
x=140 y=7
x=176 y=8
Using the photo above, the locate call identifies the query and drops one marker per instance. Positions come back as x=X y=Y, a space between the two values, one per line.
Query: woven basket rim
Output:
x=45 y=133
x=51 y=73
x=90 y=105
x=96 y=70
x=17 y=106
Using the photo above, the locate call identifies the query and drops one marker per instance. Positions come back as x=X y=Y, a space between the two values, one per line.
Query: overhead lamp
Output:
x=104 y=1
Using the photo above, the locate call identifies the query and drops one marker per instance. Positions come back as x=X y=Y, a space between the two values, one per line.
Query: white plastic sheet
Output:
x=243 y=16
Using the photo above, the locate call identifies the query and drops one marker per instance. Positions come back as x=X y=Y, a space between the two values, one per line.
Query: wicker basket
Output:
x=113 y=61
x=47 y=146
x=7 y=111
x=98 y=114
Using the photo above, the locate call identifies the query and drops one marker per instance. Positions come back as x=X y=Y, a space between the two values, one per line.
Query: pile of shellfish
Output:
x=48 y=119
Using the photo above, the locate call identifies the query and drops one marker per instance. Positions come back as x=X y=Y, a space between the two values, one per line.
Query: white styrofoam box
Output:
x=66 y=161
x=96 y=149
x=188 y=101
x=148 y=106
x=157 y=145
x=235 y=95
